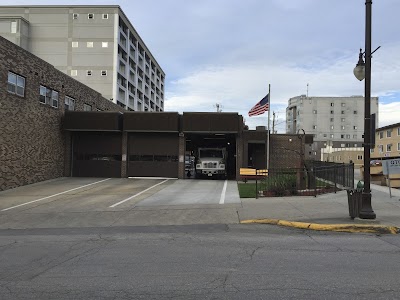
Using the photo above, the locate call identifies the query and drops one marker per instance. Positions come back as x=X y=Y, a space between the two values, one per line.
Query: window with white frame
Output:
x=314 y=111
x=54 y=99
x=332 y=104
x=87 y=107
x=343 y=104
x=380 y=148
x=347 y=136
x=398 y=146
x=389 y=133
x=332 y=127
x=103 y=72
x=75 y=16
x=314 y=127
x=44 y=95
x=105 y=16
x=343 y=127
x=332 y=136
x=16 y=84
x=104 y=44
x=75 y=44
x=388 y=147
x=14 y=27
x=355 y=127
x=398 y=131
x=343 y=119
x=381 y=135
x=69 y=103
x=354 y=136
x=89 y=72
x=89 y=44
x=90 y=16
x=74 y=72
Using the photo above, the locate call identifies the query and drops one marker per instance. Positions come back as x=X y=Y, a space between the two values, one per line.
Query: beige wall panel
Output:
x=49 y=18
x=93 y=60
x=97 y=32
x=56 y=31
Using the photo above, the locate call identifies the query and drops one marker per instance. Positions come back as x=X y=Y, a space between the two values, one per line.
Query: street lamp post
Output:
x=366 y=208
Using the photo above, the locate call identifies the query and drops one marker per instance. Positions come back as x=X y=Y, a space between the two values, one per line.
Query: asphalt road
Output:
x=197 y=262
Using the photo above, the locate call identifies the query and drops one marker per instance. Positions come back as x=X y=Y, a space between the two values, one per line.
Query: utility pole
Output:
x=273 y=122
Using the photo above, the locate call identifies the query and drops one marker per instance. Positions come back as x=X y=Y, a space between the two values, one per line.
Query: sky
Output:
x=228 y=52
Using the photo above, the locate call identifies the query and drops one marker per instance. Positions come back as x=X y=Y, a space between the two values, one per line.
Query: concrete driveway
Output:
x=87 y=202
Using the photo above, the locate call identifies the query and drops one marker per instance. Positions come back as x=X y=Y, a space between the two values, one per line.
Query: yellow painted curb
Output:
x=327 y=227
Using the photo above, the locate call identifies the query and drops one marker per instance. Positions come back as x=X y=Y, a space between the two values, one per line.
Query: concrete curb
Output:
x=379 y=229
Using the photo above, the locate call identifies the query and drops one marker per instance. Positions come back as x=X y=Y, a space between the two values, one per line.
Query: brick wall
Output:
x=32 y=143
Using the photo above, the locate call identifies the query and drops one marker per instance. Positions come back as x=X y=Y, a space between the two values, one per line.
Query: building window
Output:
x=75 y=16
x=332 y=112
x=89 y=44
x=355 y=127
x=354 y=136
x=332 y=127
x=347 y=136
x=105 y=16
x=342 y=145
x=89 y=72
x=314 y=111
x=332 y=136
x=380 y=148
x=74 y=72
x=355 y=145
x=343 y=104
x=104 y=44
x=359 y=157
x=343 y=127
x=54 y=99
x=325 y=135
x=87 y=107
x=332 y=104
x=381 y=135
x=343 y=120
x=45 y=95
x=398 y=146
x=69 y=103
x=355 y=112
x=314 y=127
x=332 y=119
x=16 y=84
x=14 y=27
x=388 y=147
x=398 y=131
x=75 y=44
x=342 y=136
x=342 y=112
x=103 y=72
x=90 y=16
x=389 y=133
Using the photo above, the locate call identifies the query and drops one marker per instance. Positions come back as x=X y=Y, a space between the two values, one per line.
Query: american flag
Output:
x=261 y=107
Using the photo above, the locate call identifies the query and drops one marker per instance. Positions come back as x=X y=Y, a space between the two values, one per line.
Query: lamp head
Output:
x=359 y=70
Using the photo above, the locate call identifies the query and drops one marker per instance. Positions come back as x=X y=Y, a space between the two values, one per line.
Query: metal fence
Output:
x=313 y=179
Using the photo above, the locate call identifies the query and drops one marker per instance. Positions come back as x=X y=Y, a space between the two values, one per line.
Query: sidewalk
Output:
x=323 y=209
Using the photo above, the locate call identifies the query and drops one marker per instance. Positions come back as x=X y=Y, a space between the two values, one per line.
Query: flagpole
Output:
x=269 y=109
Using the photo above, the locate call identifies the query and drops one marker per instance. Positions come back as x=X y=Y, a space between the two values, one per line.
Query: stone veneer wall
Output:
x=32 y=143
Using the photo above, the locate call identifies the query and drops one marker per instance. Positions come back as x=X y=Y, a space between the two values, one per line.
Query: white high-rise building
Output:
x=337 y=122
x=97 y=45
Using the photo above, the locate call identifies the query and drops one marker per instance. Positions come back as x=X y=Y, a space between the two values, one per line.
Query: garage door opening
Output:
x=218 y=151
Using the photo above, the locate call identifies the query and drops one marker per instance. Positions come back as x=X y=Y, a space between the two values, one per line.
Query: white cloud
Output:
x=238 y=87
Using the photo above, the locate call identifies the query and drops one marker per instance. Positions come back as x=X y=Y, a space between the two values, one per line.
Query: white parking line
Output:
x=33 y=201
x=222 y=199
x=131 y=197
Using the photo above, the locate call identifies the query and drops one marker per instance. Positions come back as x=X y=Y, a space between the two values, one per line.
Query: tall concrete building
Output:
x=337 y=122
x=97 y=45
